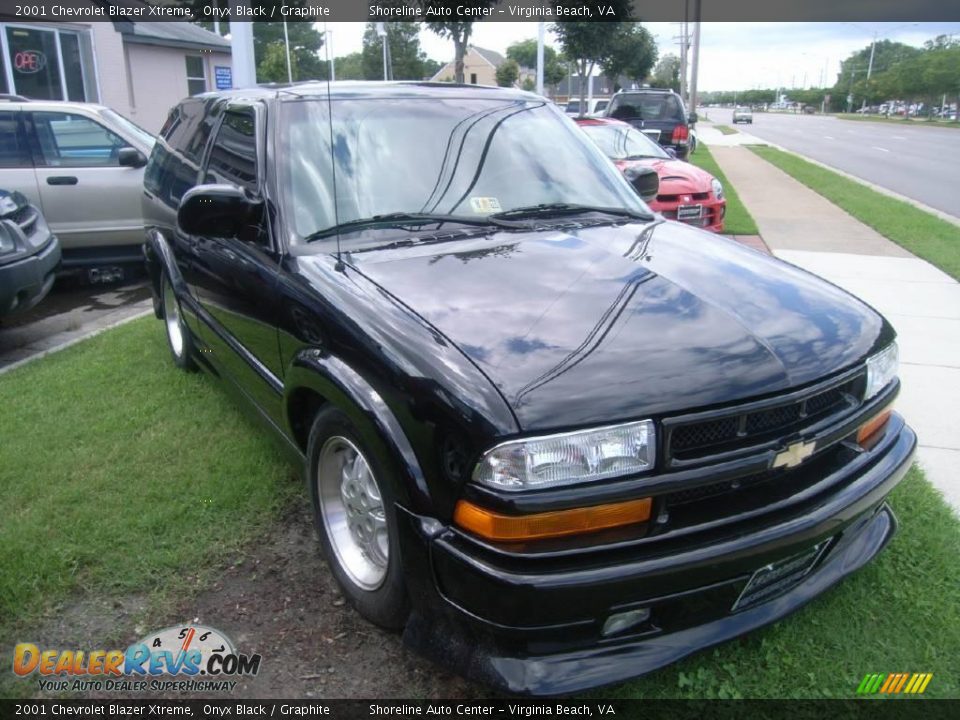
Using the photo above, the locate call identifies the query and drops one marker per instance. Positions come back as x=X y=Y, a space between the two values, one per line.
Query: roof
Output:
x=491 y=56
x=172 y=34
x=369 y=89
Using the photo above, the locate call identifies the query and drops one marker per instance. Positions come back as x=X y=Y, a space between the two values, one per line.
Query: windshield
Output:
x=131 y=127
x=463 y=157
x=573 y=106
x=665 y=107
x=620 y=142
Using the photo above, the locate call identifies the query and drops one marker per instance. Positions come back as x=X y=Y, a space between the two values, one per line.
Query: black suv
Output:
x=658 y=113
x=557 y=440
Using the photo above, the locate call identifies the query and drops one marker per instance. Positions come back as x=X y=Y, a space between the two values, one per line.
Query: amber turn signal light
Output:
x=873 y=426
x=558 y=523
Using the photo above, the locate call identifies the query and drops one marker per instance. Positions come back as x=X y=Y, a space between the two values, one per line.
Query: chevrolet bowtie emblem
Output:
x=795 y=454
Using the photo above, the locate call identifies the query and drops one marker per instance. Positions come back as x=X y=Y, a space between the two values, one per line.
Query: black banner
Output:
x=498 y=708
x=479 y=10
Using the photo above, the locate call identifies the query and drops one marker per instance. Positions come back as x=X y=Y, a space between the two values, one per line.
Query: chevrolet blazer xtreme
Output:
x=554 y=439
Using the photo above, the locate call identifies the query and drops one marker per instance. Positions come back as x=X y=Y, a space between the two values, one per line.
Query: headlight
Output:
x=717 y=188
x=569 y=458
x=882 y=370
x=7 y=245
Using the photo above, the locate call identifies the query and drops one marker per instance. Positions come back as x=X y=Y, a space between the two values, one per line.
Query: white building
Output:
x=140 y=69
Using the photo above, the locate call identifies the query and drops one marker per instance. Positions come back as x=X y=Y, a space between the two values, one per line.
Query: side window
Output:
x=68 y=140
x=233 y=157
x=174 y=165
x=13 y=148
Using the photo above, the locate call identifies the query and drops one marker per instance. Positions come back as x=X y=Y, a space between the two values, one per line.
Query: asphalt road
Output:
x=922 y=163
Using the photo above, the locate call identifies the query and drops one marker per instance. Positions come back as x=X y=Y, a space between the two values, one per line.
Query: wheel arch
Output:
x=315 y=380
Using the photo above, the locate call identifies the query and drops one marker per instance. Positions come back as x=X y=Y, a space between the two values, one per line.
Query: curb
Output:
x=73 y=341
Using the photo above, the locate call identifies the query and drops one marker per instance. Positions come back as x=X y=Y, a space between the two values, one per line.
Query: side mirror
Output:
x=216 y=211
x=131 y=157
x=692 y=118
x=644 y=180
x=672 y=152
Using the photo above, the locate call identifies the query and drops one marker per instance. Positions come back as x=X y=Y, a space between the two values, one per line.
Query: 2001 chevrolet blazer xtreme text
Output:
x=558 y=441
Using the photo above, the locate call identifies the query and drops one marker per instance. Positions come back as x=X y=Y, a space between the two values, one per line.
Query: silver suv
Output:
x=742 y=114
x=82 y=166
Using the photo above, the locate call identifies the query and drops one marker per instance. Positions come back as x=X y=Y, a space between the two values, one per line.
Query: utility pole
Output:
x=387 y=69
x=541 y=29
x=286 y=44
x=328 y=46
x=873 y=46
x=696 y=56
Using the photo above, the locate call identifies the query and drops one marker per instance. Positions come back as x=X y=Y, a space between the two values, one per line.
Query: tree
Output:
x=525 y=54
x=459 y=32
x=508 y=73
x=349 y=67
x=667 y=73
x=887 y=55
x=407 y=60
x=273 y=64
x=305 y=42
x=630 y=52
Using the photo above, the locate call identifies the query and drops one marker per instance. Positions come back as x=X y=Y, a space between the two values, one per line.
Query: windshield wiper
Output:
x=557 y=209
x=395 y=219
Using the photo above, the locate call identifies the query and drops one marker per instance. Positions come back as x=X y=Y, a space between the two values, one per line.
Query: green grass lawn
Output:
x=738 y=221
x=923 y=234
x=726 y=129
x=120 y=474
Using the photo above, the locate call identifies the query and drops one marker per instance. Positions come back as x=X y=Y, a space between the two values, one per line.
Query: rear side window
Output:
x=233 y=157
x=175 y=162
x=647 y=106
x=13 y=146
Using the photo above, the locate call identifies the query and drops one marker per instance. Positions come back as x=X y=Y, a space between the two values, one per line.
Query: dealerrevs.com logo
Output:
x=181 y=658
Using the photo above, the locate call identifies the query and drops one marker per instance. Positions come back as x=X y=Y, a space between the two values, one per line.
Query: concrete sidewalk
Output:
x=921 y=301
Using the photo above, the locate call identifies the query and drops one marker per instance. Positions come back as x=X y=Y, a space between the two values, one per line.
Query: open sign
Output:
x=29 y=61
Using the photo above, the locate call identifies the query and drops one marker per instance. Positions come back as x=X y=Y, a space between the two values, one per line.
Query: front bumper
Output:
x=25 y=282
x=534 y=627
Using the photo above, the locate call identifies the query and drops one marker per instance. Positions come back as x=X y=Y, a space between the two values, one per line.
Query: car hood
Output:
x=596 y=324
x=677 y=177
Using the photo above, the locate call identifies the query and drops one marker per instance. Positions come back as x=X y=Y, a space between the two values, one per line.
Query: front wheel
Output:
x=354 y=514
x=178 y=334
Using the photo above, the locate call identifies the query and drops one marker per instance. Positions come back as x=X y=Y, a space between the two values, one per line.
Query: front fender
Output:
x=340 y=385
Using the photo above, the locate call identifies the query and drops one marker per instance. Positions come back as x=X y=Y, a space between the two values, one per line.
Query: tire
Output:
x=178 y=334
x=357 y=529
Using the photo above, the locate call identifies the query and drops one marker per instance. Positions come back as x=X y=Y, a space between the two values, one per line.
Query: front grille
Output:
x=702 y=492
x=26 y=218
x=674 y=198
x=735 y=429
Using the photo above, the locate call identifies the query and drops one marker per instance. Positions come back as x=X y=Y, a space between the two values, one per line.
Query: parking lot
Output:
x=74 y=310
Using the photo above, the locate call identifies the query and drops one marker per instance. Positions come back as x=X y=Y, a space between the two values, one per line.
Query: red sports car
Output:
x=687 y=193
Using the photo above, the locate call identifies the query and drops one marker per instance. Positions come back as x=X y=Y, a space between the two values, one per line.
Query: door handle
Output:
x=62 y=180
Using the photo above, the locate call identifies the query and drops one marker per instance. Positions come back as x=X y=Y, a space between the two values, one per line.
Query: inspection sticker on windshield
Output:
x=485 y=205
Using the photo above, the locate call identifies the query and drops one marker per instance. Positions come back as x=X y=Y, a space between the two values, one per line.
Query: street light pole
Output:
x=541 y=27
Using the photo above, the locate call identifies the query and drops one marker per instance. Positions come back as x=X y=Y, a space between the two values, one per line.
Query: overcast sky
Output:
x=733 y=56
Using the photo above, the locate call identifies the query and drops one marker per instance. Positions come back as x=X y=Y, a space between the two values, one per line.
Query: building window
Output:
x=473 y=78
x=47 y=64
x=196 y=77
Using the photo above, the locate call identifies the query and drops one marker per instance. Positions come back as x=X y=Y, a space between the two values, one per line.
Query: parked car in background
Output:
x=742 y=114
x=658 y=113
x=82 y=165
x=557 y=440
x=596 y=106
x=686 y=192
x=29 y=254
